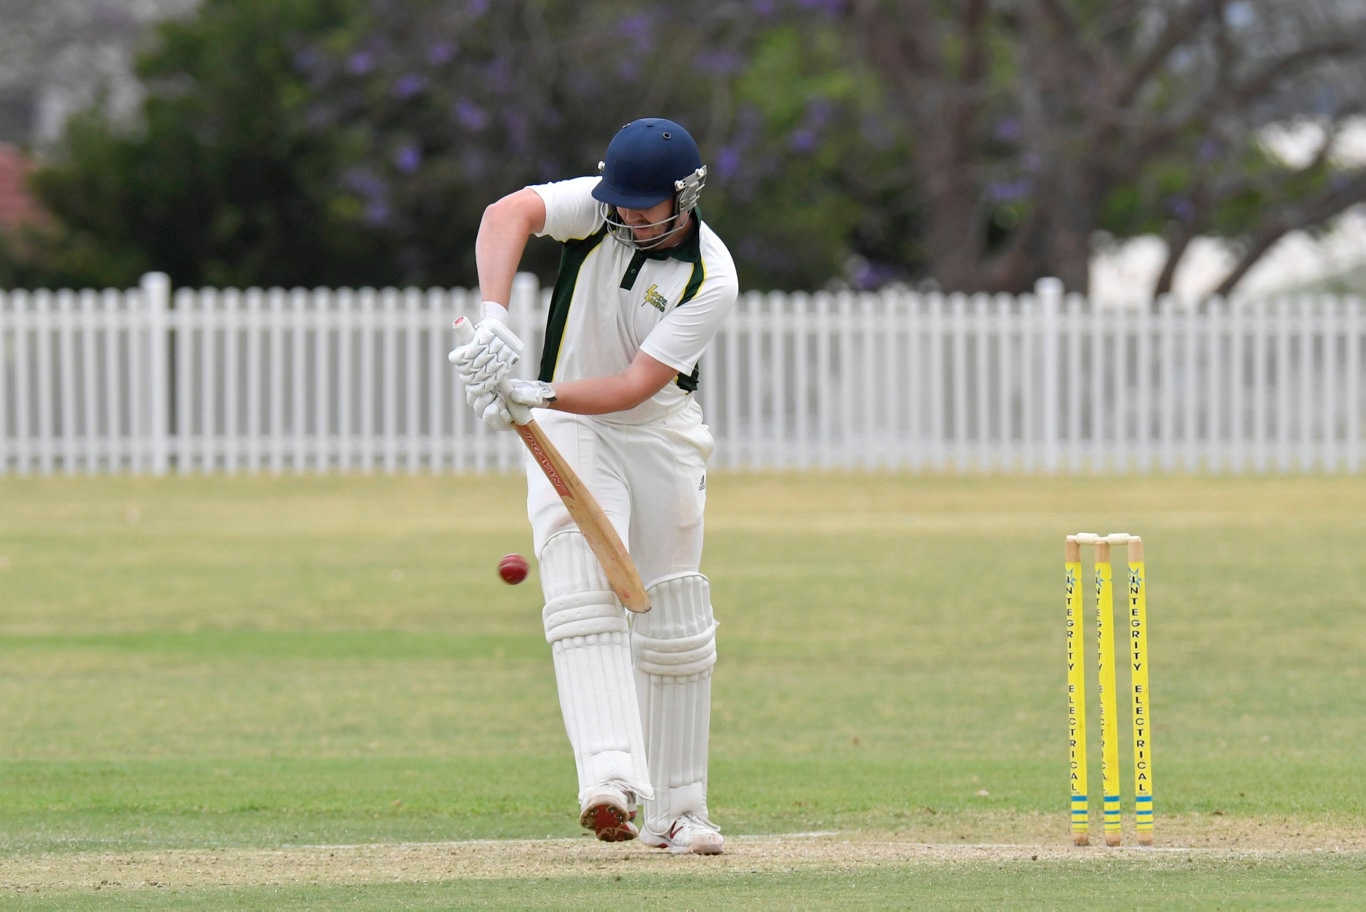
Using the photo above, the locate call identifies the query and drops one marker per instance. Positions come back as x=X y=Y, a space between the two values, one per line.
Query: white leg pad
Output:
x=589 y=638
x=674 y=649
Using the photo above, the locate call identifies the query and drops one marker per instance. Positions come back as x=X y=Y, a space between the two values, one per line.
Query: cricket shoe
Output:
x=608 y=811
x=690 y=833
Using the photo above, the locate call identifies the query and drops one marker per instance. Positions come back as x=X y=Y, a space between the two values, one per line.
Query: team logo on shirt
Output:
x=655 y=299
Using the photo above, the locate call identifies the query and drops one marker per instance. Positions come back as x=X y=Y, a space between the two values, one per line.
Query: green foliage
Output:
x=17 y=266
x=222 y=181
x=356 y=142
x=811 y=166
x=344 y=142
x=815 y=184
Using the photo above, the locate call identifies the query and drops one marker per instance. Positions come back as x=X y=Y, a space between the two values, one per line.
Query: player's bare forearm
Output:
x=503 y=233
x=617 y=393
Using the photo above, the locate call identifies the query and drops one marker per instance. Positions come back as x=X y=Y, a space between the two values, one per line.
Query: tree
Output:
x=1041 y=123
x=220 y=181
x=356 y=141
x=979 y=144
x=447 y=106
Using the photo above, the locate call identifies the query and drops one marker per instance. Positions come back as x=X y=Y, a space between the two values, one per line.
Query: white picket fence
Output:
x=158 y=380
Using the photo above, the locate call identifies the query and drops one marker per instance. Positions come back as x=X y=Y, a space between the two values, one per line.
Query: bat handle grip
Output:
x=464 y=334
x=464 y=330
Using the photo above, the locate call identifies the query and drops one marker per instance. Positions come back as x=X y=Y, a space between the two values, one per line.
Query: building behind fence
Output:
x=155 y=380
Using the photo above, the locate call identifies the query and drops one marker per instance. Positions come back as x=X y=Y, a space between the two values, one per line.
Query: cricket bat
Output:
x=585 y=510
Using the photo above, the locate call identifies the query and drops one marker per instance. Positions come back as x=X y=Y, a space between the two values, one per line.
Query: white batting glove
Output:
x=478 y=391
x=490 y=328
x=476 y=365
x=531 y=393
x=491 y=408
x=486 y=399
x=491 y=355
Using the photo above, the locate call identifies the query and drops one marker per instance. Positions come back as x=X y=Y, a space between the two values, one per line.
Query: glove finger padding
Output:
x=478 y=398
x=492 y=354
x=491 y=409
x=463 y=358
x=498 y=366
x=497 y=361
x=496 y=415
x=484 y=385
x=475 y=365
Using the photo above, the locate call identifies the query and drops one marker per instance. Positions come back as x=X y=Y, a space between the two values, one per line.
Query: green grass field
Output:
x=315 y=693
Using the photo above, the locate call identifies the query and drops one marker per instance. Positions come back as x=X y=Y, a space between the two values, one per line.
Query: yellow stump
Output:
x=1106 y=686
x=1138 y=657
x=1076 y=692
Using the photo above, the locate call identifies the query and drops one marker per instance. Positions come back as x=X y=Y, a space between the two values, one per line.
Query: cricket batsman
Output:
x=644 y=284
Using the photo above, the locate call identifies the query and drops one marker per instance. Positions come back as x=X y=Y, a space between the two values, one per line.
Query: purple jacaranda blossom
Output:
x=1010 y=191
x=764 y=9
x=500 y=77
x=832 y=7
x=636 y=28
x=819 y=110
x=1208 y=151
x=1007 y=129
x=360 y=63
x=868 y=276
x=477 y=8
x=409 y=84
x=377 y=213
x=442 y=52
x=470 y=116
x=718 y=62
x=726 y=162
x=408 y=158
x=364 y=182
x=803 y=139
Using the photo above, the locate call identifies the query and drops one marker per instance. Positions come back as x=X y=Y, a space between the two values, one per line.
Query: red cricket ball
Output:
x=512 y=569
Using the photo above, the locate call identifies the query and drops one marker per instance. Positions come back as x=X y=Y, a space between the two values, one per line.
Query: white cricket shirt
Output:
x=611 y=301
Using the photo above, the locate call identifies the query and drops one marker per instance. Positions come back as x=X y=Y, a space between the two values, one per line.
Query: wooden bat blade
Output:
x=585 y=510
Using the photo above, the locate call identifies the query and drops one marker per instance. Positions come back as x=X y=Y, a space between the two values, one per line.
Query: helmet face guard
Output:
x=648 y=162
x=686 y=193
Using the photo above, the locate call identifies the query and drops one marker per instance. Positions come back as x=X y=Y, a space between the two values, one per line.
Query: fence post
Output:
x=1049 y=293
x=156 y=296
